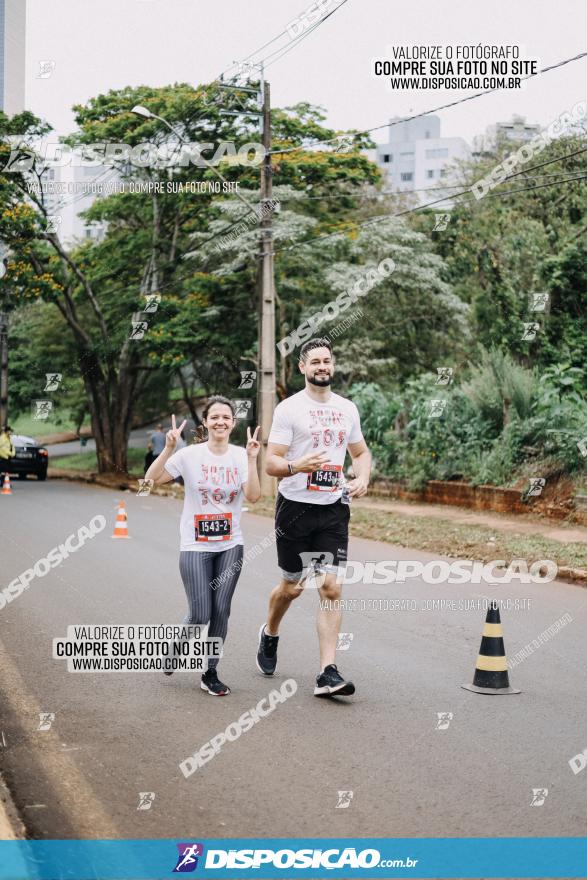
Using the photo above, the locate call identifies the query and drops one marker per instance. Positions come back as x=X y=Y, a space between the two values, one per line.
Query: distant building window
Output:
x=387 y=157
x=438 y=153
x=406 y=175
x=443 y=172
x=430 y=173
x=410 y=153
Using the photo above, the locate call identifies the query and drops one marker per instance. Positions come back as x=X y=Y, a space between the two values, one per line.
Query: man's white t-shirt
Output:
x=213 y=496
x=307 y=426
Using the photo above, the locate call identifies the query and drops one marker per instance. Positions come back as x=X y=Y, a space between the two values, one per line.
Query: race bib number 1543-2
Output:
x=213 y=526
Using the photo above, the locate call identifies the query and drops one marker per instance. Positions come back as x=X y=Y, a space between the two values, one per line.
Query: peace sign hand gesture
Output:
x=253 y=445
x=172 y=436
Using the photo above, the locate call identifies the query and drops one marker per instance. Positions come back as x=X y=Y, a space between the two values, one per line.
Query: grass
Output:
x=25 y=424
x=429 y=534
x=87 y=461
x=435 y=535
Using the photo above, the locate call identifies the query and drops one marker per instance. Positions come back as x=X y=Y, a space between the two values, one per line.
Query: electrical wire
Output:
x=380 y=217
x=302 y=37
x=285 y=49
x=399 y=192
x=434 y=110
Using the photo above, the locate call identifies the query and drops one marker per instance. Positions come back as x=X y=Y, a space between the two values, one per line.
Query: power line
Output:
x=180 y=277
x=435 y=109
x=294 y=42
x=399 y=192
x=67 y=203
x=420 y=208
x=367 y=222
x=224 y=230
x=297 y=41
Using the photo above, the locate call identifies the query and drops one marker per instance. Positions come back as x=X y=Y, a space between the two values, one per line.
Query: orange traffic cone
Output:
x=120 y=528
x=6 y=490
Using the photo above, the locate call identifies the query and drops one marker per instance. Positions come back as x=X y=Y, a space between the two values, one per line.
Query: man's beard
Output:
x=320 y=381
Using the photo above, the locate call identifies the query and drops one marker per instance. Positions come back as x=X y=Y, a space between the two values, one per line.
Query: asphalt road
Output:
x=137 y=439
x=118 y=734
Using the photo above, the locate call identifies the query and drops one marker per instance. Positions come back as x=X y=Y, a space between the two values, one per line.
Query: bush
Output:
x=496 y=466
x=546 y=420
x=498 y=385
x=378 y=413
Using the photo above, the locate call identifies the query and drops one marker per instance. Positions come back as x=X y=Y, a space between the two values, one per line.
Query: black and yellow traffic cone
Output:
x=491 y=670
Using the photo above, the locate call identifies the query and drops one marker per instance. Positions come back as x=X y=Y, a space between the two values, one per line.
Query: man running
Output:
x=309 y=437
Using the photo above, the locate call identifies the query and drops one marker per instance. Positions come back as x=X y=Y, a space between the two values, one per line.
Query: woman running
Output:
x=217 y=476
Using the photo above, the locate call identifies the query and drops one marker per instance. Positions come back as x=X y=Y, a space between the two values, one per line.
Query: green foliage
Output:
x=469 y=440
x=459 y=297
x=499 y=386
x=503 y=248
x=496 y=465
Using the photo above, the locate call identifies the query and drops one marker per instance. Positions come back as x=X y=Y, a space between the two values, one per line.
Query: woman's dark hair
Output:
x=201 y=432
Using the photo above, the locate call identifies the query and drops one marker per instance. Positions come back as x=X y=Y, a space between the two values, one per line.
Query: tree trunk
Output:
x=111 y=407
x=188 y=398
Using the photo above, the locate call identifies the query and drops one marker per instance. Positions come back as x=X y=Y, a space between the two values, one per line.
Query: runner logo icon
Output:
x=187 y=860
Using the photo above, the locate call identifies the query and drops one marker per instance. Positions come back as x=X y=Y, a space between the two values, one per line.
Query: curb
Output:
x=577 y=576
x=124 y=482
x=11 y=826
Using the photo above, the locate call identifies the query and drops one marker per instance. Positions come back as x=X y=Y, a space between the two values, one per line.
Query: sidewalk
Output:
x=11 y=827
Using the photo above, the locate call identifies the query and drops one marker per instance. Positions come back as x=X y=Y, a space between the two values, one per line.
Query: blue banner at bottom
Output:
x=382 y=858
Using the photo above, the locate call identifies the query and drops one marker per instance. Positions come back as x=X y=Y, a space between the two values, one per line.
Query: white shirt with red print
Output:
x=306 y=426
x=213 y=496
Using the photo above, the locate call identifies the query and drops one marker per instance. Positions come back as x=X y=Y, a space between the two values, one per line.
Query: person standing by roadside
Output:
x=155 y=446
x=7 y=450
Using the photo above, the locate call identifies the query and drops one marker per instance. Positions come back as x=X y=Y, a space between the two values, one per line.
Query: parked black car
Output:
x=30 y=458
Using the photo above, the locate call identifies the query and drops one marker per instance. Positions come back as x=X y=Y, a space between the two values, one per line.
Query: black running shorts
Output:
x=310 y=536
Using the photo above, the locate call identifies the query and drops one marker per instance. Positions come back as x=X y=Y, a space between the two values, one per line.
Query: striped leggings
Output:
x=210 y=604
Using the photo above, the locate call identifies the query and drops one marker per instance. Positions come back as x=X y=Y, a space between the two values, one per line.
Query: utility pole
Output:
x=3 y=369
x=266 y=384
x=4 y=251
x=266 y=283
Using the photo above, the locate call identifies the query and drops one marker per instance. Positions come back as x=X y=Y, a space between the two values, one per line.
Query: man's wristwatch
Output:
x=290 y=469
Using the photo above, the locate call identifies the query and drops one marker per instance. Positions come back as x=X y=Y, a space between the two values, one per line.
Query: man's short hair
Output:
x=319 y=342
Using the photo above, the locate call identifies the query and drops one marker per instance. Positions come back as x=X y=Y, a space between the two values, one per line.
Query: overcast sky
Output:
x=102 y=44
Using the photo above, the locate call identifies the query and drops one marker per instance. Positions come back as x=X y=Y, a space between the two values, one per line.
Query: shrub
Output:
x=498 y=385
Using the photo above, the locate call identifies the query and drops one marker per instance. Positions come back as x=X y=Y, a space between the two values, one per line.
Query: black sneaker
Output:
x=330 y=683
x=267 y=652
x=212 y=684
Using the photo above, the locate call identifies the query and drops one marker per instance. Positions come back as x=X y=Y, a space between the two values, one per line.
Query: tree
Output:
x=97 y=288
x=501 y=250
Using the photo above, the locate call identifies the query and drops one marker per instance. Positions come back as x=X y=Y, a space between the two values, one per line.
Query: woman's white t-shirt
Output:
x=213 y=496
